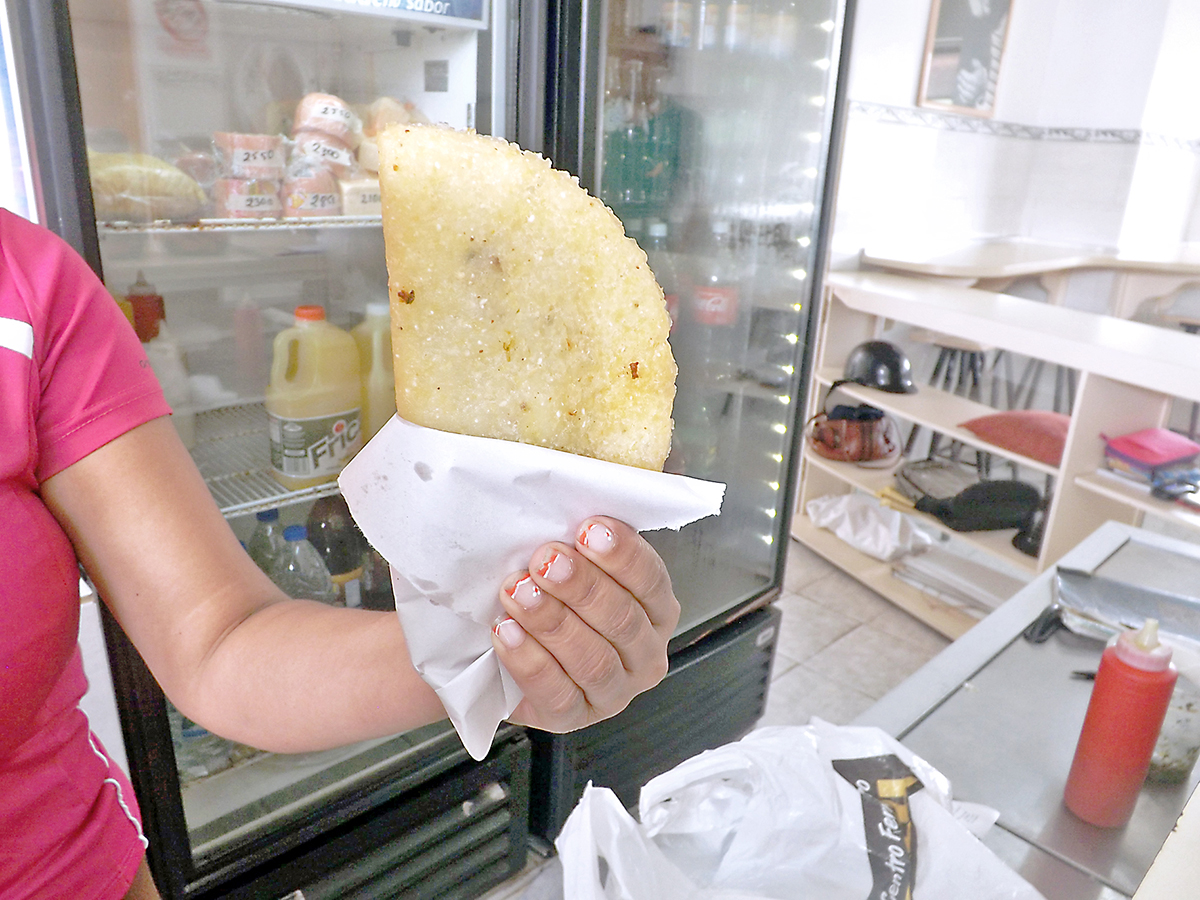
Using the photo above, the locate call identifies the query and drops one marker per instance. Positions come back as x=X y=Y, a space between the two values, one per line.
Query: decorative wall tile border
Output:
x=949 y=121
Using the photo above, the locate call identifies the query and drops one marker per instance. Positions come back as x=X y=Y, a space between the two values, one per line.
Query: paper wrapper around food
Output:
x=453 y=515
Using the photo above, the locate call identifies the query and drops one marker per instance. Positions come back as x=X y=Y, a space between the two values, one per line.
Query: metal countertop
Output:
x=1000 y=716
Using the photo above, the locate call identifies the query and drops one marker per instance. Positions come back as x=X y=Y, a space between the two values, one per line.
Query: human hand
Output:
x=587 y=626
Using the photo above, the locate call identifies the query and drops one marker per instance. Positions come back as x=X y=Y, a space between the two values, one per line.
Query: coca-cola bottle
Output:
x=717 y=335
x=709 y=351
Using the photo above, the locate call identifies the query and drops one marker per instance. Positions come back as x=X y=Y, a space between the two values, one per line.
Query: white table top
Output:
x=1016 y=257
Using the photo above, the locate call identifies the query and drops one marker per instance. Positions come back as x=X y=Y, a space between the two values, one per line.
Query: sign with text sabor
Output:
x=466 y=13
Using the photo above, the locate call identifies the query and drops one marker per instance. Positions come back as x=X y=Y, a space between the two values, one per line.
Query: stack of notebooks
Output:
x=1152 y=455
x=1160 y=459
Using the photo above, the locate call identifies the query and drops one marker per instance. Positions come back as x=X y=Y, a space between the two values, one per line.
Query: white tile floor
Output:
x=841 y=648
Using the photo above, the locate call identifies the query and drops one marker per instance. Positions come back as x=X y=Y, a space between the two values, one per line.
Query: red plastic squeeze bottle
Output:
x=1129 y=701
x=148 y=308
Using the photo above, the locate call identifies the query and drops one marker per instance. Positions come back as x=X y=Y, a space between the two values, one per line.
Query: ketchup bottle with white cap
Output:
x=1129 y=701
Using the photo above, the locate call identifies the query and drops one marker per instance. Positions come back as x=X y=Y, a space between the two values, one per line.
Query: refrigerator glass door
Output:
x=16 y=181
x=711 y=143
x=232 y=170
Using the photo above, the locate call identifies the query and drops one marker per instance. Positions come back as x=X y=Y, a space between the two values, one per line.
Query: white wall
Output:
x=1089 y=142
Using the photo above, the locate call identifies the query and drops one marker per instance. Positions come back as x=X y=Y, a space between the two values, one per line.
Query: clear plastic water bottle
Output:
x=266 y=542
x=662 y=264
x=198 y=752
x=299 y=571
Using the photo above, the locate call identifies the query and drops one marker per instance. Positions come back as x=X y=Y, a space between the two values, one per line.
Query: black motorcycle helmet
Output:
x=881 y=365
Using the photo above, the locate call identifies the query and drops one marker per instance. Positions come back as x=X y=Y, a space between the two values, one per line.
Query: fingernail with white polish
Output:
x=526 y=593
x=557 y=569
x=598 y=537
x=510 y=632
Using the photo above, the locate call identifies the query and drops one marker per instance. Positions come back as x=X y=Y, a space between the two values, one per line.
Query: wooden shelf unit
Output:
x=1129 y=375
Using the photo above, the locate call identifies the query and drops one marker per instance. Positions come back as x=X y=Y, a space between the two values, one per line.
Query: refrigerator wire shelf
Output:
x=232 y=453
x=163 y=226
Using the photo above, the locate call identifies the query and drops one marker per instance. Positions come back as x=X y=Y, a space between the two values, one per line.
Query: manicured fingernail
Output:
x=526 y=593
x=597 y=537
x=510 y=632
x=557 y=569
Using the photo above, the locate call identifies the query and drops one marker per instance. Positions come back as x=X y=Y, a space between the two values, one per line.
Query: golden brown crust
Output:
x=519 y=308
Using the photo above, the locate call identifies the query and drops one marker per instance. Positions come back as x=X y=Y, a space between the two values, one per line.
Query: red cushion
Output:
x=1036 y=433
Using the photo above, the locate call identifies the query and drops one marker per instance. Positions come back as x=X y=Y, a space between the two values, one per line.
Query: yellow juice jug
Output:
x=314 y=401
x=374 y=337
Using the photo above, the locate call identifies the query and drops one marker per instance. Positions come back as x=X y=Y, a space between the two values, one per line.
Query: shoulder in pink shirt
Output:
x=75 y=377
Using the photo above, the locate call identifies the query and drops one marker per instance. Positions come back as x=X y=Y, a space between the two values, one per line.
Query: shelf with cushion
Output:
x=1130 y=375
x=932 y=408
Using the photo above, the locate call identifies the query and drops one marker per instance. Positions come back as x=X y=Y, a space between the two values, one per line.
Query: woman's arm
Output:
x=228 y=647
x=236 y=655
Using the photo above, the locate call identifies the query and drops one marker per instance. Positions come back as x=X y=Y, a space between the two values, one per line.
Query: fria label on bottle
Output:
x=314 y=447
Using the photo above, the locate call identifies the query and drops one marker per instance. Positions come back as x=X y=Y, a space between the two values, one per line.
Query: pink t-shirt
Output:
x=72 y=378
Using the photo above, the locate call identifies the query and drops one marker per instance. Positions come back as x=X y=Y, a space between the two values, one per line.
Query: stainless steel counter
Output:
x=999 y=716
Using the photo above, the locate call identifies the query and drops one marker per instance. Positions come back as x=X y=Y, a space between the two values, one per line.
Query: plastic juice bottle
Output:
x=1133 y=686
x=374 y=337
x=314 y=401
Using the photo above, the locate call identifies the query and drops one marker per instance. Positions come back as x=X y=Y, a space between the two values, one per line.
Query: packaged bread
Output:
x=368 y=155
x=310 y=189
x=387 y=111
x=246 y=198
x=520 y=310
x=329 y=115
x=324 y=149
x=360 y=195
x=137 y=187
x=250 y=155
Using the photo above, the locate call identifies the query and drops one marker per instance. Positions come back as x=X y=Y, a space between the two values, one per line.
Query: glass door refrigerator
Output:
x=203 y=156
x=711 y=128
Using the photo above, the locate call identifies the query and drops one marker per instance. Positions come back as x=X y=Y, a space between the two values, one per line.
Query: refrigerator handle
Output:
x=576 y=48
x=45 y=59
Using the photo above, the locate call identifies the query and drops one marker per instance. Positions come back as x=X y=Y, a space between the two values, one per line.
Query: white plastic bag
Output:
x=820 y=812
x=866 y=525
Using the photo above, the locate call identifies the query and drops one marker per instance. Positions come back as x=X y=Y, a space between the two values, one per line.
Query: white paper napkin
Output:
x=453 y=515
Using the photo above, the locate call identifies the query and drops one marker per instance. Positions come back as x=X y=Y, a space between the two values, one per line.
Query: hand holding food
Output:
x=588 y=626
